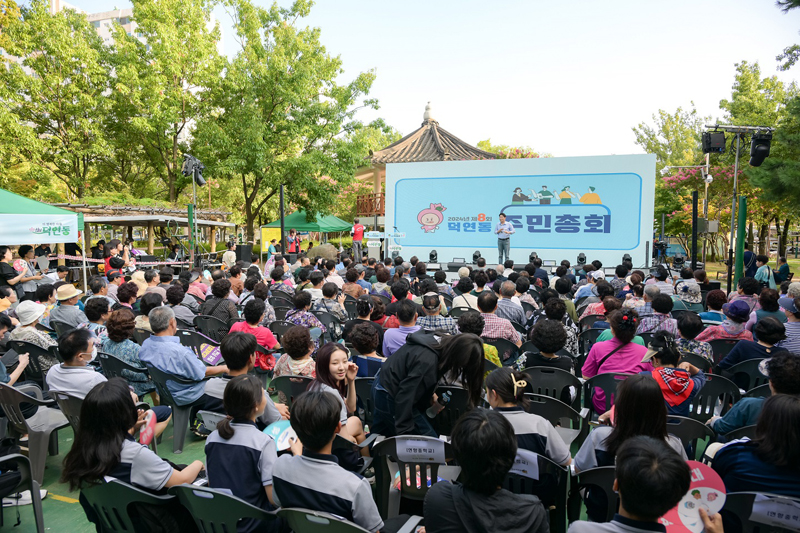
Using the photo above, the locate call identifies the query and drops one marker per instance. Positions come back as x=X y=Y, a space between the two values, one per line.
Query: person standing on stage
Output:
x=503 y=230
x=358 y=237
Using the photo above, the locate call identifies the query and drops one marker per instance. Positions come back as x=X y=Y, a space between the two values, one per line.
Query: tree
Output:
x=52 y=94
x=161 y=88
x=504 y=151
x=791 y=54
x=281 y=117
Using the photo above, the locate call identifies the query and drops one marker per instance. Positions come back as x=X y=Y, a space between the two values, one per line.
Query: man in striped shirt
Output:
x=791 y=306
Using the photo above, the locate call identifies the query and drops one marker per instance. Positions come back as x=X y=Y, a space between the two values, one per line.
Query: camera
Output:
x=660 y=246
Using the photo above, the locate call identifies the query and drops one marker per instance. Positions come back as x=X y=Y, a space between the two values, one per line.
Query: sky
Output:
x=566 y=78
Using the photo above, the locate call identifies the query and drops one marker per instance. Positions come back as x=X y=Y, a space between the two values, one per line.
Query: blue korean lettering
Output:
x=538 y=223
x=454 y=226
x=485 y=226
x=568 y=224
x=597 y=224
x=470 y=227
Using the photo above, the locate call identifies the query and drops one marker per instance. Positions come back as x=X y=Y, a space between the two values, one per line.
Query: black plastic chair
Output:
x=290 y=387
x=140 y=335
x=308 y=521
x=457 y=406
x=553 y=382
x=739 y=507
x=506 y=350
x=697 y=360
x=215 y=511
x=550 y=486
x=448 y=300
x=528 y=346
x=587 y=339
x=331 y=323
x=111 y=501
x=528 y=308
x=690 y=431
x=279 y=327
x=33 y=371
x=182 y=324
x=588 y=321
x=746 y=374
x=280 y=312
x=489 y=366
x=520 y=328
x=42 y=327
x=721 y=348
x=718 y=394
x=573 y=426
x=762 y=391
x=456 y=312
x=608 y=383
x=234 y=321
x=70 y=407
x=180 y=413
x=676 y=314
x=211 y=327
x=601 y=478
x=350 y=307
x=385 y=299
x=195 y=340
x=113 y=367
x=60 y=327
x=746 y=431
x=27 y=482
x=280 y=299
x=364 y=395
x=646 y=337
x=341 y=443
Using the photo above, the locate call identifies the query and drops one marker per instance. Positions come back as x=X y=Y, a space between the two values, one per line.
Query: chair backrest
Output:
x=519 y=327
x=34 y=369
x=364 y=395
x=182 y=324
x=194 y=340
x=279 y=299
x=762 y=391
x=211 y=327
x=528 y=308
x=697 y=360
x=10 y=400
x=746 y=431
x=457 y=406
x=42 y=327
x=140 y=335
x=747 y=373
x=506 y=349
x=70 y=406
x=60 y=327
x=367 y=366
x=279 y=327
x=715 y=398
x=560 y=414
x=160 y=379
x=111 y=501
x=350 y=307
x=290 y=387
x=330 y=322
x=215 y=511
x=307 y=521
x=588 y=321
x=280 y=312
x=553 y=382
x=587 y=338
x=721 y=348
x=456 y=312
x=489 y=366
x=738 y=509
x=210 y=418
x=676 y=313
x=646 y=337
x=690 y=431
x=448 y=300
x=608 y=383
x=528 y=346
x=234 y=321
x=549 y=484
x=603 y=478
x=385 y=299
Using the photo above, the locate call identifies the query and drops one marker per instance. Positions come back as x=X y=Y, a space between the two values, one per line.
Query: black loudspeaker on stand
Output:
x=244 y=252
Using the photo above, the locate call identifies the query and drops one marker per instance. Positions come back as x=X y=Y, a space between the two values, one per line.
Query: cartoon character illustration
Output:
x=519 y=198
x=567 y=196
x=712 y=496
x=590 y=197
x=544 y=196
x=431 y=217
x=696 y=494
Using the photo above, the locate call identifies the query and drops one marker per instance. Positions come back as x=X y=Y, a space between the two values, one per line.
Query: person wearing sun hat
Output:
x=67 y=310
x=737 y=313
x=688 y=297
x=28 y=314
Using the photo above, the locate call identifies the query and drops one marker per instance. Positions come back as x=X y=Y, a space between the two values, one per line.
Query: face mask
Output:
x=94 y=353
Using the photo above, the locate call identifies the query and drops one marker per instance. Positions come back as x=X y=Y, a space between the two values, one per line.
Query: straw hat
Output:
x=138 y=279
x=67 y=292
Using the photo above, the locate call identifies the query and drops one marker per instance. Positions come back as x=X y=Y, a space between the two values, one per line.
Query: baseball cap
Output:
x=114 y=274
x=597 y=274
x=788 y=304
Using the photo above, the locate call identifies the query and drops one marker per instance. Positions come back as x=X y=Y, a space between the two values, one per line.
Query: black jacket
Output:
x=410 y=376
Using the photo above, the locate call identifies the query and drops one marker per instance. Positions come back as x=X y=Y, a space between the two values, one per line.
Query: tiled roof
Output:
x=428 y=143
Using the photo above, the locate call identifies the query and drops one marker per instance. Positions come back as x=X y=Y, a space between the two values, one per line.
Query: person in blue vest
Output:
x=749 y=259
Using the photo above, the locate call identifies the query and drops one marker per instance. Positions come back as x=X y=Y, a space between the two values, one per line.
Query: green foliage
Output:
x=674 y=137
x=504 y=151
x=779 y=175
x=281 y=116
x=755 y=101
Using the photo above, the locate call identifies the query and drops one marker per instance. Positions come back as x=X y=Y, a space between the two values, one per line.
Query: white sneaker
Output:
x=22 y=498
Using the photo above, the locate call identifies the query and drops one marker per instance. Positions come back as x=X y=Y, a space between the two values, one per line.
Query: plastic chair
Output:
x=602 y=478
x=331 y=323
x=520 y=328
x=280 y=312
x=718 y=394
x=182 y=324
x=210 y=419
x=746 y=374
x=180 y=413
x=690 y=431
x=42 y=327
x=279 y=327
x=676 y=314
x=506 y=350
x=367 y=366
x=70 y=406
x=608 y=383
x=573 y=426
x=697 y=360
x=60 y=327
x=364 y=395
x=746 y=431
x=27 y=482
x=456 y=312
x=739 y=506
x=387 y=463
x=113 y=367
x=528 y=346
x=489 y=366
x=553 y=382
x=234 y=321
x=528 y=308
x=721 y=348
x=33 y=371
x=195 y=340
x=762 y=391
x=457 y=406
x=42 y=428
x=307 y=521
x=350 y=307
x=588 y=321
x=587 y=339
x=140 y=335
x=341 y=443
x=550 y=488
x=290 y=387
x=646 y=337
x=385 y=299
x=211 y=327
x=448 y=300
x=278 y=299
x=111 y=500
x=216 y=511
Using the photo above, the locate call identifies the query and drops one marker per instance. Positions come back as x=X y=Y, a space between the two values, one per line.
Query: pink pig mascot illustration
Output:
x=431 y=217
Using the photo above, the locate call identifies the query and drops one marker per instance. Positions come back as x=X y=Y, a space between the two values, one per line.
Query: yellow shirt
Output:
x=590 y=198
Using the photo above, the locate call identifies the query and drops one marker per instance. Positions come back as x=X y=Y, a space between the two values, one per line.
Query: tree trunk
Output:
x=784 y=238
x=763 y=239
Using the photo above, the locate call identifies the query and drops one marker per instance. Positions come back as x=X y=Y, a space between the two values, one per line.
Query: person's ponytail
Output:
x=364 y=306
x=225 y=429
x=242 y=396
x=624 y=324
x=509 y=385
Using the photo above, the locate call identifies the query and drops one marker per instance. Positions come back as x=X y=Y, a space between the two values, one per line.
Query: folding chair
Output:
x=555 y=383
x=715 y=398
x=111 y=501
x=211 y=327
x=180 y=413
x=572 y=426
x=600 y=478
x=307 y=521
x=738 y=509
x=214 y=510
x=550 y=486
x=690 y=432
x=42 y=428
x=26 y=482
x=290 y=387
x=608 y=383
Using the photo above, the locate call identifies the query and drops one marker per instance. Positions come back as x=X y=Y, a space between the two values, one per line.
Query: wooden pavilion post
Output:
x=151 y=237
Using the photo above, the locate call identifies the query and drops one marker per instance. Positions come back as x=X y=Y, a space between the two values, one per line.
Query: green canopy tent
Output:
x=322 y=224
x=26 y=221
